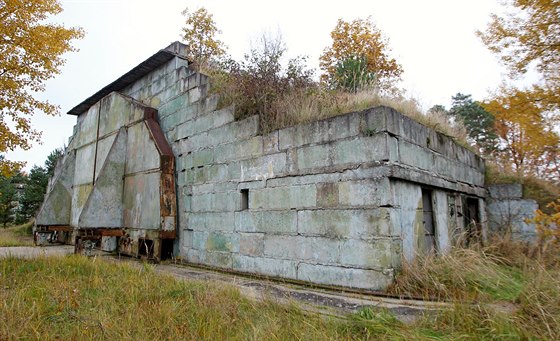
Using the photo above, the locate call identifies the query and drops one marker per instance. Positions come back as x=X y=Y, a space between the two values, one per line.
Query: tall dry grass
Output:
x=522 y=276
x=462 y=275
x=303 y=107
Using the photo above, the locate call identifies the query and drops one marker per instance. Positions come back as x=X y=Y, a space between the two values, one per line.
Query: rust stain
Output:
x=58 y=228
x=168 y=197
x=167 y=234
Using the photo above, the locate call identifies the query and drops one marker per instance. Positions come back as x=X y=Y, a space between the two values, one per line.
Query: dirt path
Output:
x=36 y=251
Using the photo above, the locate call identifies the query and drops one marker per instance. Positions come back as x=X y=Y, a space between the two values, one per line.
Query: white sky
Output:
x=434 y=41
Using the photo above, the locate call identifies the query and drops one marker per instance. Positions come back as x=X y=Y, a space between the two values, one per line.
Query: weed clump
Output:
x=504 y=273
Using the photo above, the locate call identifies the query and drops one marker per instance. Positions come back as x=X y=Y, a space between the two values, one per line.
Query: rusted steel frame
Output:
x=102 y=232
x=168 y=198
x=61 y=228
x=167 y=234
x=52 y=228
x=90 y=237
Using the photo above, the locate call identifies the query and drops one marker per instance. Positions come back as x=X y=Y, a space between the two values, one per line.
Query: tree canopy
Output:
x=199 y=33
x=355 y=41
x=30 y=53
x=529 y=35
x=529 y=143
x=478 y=122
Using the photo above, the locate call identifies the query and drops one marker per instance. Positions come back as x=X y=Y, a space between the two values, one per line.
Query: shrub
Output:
x=259 y=84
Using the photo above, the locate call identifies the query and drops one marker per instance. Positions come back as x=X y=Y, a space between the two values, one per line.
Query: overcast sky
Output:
x=433 y=40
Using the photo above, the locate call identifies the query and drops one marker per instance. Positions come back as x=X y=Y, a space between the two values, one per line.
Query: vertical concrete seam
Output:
x=96 y=145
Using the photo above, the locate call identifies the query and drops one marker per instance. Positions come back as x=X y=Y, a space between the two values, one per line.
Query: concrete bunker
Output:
x=340 y=201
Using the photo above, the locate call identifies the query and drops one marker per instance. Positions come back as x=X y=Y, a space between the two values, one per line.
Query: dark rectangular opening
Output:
x=245 y=199
x=167 y=248
x=428 y=222
x=146 y=247
x=472 y=221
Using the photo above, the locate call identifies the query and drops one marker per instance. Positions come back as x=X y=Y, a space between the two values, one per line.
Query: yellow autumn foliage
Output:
x=527 y=35
x=199 y=33
x=529 y=144
x=548 y=225
x=360 y=39
x=30 y=53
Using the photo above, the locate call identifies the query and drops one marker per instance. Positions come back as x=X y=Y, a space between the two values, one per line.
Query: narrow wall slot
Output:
x=244 y=199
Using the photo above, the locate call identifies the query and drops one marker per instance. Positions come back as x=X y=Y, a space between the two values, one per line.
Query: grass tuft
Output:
x=20 y=235
x=461 y=275
x=521 y=279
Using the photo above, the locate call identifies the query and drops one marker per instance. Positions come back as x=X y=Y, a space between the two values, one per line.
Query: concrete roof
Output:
x=176 y=49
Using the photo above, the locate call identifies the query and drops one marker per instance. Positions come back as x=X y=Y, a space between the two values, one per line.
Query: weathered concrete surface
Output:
x=104 y=206
x=506 y=191
x=508 y=213
x=57 y=206
x=324 y=203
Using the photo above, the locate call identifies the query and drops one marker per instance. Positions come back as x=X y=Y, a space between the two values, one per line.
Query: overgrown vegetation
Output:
x=521 y=281
x=78 y=298
x=358 y=74
x=286 y=96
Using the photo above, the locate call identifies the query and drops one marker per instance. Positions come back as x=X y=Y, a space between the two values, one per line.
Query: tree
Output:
x=529 y=35
x=33 y=192
x=478 y=122
x=352 y=74
x=529 y=143
x=52 y=159
x=438 y=108
x=199 y=33
x=359 y=40
x=36 y=185
x=30 y=54
x=7 y=198
x=261 y=85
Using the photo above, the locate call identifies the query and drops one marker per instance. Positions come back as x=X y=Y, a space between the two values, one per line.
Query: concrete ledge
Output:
x=345 y=277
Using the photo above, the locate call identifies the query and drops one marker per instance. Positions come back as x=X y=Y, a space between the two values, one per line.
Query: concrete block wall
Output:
x=313 y=202
x=508 y=212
